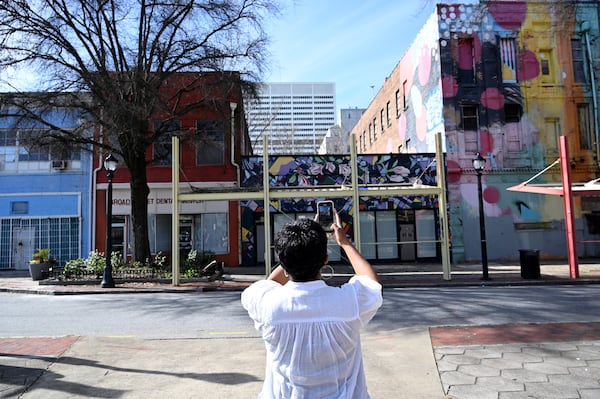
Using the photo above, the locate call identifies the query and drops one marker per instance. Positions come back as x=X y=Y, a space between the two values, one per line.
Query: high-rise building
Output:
x=294 y=116
x=336 y=139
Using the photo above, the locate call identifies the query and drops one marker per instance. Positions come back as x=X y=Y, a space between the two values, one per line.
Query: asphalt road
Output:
x=219 y=314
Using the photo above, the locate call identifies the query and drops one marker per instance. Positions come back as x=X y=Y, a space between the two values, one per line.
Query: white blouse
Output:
x=312 y=336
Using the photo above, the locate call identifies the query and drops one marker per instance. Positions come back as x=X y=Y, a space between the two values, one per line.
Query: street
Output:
x=210 y=314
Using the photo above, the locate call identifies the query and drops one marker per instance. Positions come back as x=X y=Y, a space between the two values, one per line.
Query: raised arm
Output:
x=360 y=265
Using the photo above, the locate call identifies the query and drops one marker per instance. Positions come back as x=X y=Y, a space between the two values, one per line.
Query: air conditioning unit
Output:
x=60 y=165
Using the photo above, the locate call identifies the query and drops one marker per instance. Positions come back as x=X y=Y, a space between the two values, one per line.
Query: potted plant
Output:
x=40 y=264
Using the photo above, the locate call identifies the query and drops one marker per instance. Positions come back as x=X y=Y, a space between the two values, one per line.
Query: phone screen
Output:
x=325 y=213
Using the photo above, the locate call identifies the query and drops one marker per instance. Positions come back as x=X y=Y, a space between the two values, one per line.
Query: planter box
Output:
x=39 y=271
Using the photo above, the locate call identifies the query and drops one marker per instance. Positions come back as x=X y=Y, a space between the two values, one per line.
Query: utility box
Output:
x=530 y=263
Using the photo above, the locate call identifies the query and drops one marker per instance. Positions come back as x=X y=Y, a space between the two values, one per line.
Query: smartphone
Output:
x=325 y=214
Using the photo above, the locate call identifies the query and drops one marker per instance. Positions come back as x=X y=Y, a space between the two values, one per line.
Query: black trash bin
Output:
x=530 y=263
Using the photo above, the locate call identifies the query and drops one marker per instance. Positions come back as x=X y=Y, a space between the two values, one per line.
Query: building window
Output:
x=370 y=133
x=210 y=143
x=374 y=129
x=164 y=130
x=470 y=126
x=388 y=116
x=19 y=207
x=364 y=140
x=211 y=233
x=8 y=145
x=382 y=120
x=552 y=129
x=466 y=61
x=512 y=113
x=469 y=117
x=508 y=54
x=397 y=102
x=586 y=126
x=578 y=61
x=546 y=68
x=404 y=84
x=31 y=148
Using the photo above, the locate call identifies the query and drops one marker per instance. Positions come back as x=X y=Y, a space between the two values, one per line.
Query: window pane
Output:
x=469 y=118
x=509 y=59
x=215 y=232
x=19 y=207
x=586 y=126
x=162 y=151
x=386 y=232
x=8 y=145
x=466 y=61
x=425 y=223
x=210 y=143
x=367 y=234
x=578 y=65
x=31 y=148
x=512 y=113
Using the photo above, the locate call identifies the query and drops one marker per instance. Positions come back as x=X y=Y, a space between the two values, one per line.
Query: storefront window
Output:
x=212 y=233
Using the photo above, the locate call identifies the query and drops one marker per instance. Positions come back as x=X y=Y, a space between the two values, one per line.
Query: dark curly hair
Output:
x=302 y=249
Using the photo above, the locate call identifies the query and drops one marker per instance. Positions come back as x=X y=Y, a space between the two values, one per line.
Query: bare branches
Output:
x=122 y=54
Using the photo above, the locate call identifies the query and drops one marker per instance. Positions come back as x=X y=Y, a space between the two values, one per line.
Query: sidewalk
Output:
x=476 y=362
x=391 y=276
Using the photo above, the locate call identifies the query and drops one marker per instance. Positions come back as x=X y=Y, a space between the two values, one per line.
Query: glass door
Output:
x=386 y=232
x=368 y=240
x=426 y=237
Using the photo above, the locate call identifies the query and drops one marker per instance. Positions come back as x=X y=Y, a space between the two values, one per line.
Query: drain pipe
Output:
x=233 y=107
x=94 y=197
x=585 y=28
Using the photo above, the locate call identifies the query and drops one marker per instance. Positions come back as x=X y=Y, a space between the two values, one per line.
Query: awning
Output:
x=590 y=188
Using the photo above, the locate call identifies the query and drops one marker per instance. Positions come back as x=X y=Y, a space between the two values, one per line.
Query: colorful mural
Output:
x=504 y=78
x=334 y=170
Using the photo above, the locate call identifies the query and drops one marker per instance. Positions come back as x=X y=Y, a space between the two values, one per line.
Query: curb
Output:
x=395 y=282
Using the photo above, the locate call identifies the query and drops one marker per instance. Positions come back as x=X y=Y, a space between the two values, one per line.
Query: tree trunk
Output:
x=139 y=217
x=136 y=162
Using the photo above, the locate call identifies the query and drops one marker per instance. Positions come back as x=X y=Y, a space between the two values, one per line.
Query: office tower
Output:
x=294 y=116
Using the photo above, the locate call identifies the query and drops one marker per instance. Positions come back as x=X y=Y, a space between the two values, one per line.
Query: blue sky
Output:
x=354 y=43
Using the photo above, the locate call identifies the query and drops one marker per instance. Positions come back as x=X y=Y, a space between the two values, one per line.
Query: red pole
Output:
x=565 y=169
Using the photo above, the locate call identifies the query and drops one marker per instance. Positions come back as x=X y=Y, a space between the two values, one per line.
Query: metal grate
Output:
x=61 y=235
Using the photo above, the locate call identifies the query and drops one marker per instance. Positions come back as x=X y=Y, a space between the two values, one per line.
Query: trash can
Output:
x=530 y=263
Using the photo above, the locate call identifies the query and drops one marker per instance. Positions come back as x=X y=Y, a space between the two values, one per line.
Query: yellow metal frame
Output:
x=268 y=194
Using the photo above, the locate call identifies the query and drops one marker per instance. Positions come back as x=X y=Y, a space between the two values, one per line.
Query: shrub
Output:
x=195 y=262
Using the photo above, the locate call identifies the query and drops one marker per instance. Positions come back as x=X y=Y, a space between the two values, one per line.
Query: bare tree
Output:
x=112 y=59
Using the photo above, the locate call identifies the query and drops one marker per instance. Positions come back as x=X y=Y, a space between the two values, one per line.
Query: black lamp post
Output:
x=110 y=165
x=479 y=165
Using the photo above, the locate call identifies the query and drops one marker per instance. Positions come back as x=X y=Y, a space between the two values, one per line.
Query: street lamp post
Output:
x=479 y=165
x=110 y=165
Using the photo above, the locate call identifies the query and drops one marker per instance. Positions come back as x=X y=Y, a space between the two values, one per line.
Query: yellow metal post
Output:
x=267 y=207
x=444 y=230
x=355 y=193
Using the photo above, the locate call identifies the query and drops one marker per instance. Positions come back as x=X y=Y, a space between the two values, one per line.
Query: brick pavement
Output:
x=549 y=361
x=23 y=361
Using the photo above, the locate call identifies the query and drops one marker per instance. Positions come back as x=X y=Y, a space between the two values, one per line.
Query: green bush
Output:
x=195 y=262
x=96 y=261
x=75 y=267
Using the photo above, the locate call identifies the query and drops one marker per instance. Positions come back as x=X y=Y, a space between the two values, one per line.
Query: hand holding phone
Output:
x=325 y=215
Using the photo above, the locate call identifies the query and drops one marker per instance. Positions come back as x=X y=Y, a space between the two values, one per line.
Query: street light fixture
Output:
x=479 y=165
x=110 y=165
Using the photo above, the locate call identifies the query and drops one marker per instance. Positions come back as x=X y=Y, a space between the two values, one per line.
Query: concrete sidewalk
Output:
x=441 y=362
x=398 y=365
